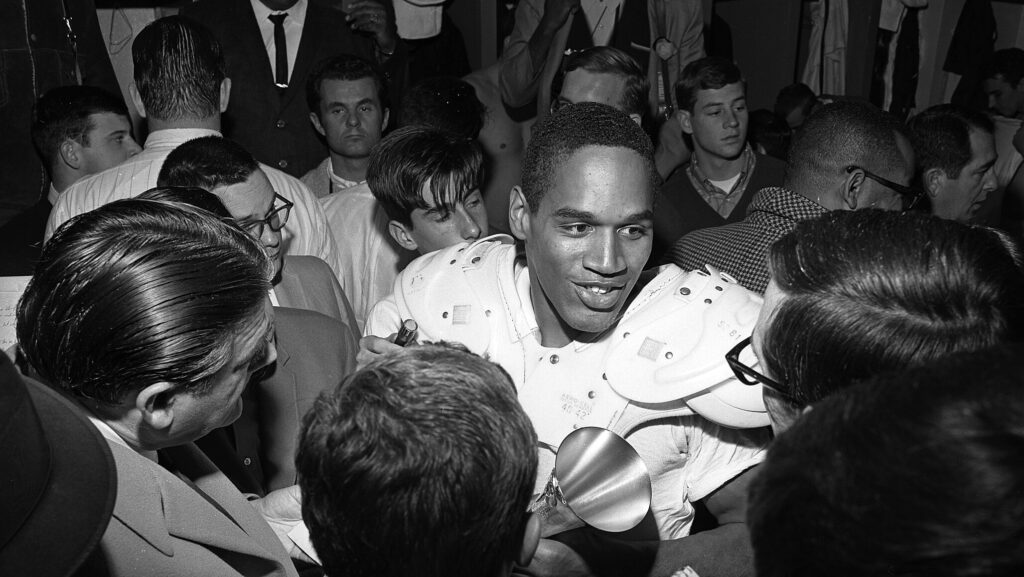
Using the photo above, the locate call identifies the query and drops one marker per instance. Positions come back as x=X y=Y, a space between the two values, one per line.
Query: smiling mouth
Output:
x=598 y=297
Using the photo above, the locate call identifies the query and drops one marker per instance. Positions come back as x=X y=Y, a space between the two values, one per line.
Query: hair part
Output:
x=179 y=69
x=345 y=67
x=610 y=60
x=412 y=157
x=421 y=462
x=708 y=73
x=572 y=128
x=65 y=113
x=916 y=473
x=871 y=291
x=138 y=292
x=209 y=162
x=941 y=137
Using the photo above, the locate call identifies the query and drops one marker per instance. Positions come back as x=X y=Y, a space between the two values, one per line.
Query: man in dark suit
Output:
x=268 y=114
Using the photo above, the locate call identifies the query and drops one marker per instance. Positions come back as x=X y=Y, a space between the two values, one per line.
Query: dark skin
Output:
x=722 y=551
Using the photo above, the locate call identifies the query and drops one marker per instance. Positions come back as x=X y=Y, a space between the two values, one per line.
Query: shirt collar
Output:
x=339 y=182
x=52 y=195
x=175 y=136
x=111 y=435
x=298 y=11
x=748 y=164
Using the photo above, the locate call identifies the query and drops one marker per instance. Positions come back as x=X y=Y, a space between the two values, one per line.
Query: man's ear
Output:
x=315 y=119
x=400 y=233
x=636 y=118
x=518 y=213
x=684 y=120
x=69 y=152
x=133 y=92
x=225 y=94
x=384 y=121
x=156 y=405
x=531 y=539
x=852 y=188
x=933 y=179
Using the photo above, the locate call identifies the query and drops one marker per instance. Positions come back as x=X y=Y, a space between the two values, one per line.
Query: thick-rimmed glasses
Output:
x=909 y=195
x=275 y=219
x=747 y=374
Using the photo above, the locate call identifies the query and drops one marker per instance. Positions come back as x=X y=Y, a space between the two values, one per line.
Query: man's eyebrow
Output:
x=566 y=213
x=644 y=215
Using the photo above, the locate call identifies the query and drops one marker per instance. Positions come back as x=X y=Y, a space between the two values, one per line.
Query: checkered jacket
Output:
x=741 y=248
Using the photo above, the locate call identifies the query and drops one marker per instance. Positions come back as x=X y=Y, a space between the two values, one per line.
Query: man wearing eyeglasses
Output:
x=846 y=156
x=956 y=159
x=316 y=332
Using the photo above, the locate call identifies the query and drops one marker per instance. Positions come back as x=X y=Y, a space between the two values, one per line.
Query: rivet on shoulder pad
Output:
x=625 y=335
x=718 y=288
x=684 y=291
x=707 y=301
x=475 y=260
x=453 y=261
x=444 y=315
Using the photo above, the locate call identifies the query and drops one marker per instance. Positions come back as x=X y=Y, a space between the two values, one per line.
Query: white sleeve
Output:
x=384 y=318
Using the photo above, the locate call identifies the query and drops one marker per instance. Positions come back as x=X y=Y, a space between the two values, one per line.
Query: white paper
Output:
x=11 y=288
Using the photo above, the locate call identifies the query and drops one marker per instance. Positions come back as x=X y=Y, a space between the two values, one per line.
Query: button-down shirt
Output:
x=723 y=201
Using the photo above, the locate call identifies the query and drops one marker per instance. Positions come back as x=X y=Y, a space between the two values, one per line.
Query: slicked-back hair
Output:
x=209 y=162
x=610 y=60
x=872 y=291
x=422 y=462
x=64 y=113
x=138 y=292
x=577 y=126
x=410 y=157
x=179 y=68
x=708 y=73
x=915 y=473
x=190 y=195
x=1008 y=63
x=941 y=137
x=347 y=67
x=843 y=134
x=444 y=102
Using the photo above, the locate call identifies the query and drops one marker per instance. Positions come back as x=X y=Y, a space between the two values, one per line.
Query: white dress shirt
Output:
x=292 y=31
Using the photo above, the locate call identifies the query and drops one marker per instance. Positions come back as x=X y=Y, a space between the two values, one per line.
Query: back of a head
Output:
x=915 y=473
x=63 y=114
x=413 y=156
x=610 y=60
x=708 y=73
x=190 y=195
x=1008 y=63
x=770 y=132
x=348 y=67
x=178 y=70
x=444 y=102
x=209 y=162
x=837 y=136
x=577 y=126
x=797 y=96
x=870 y=291
x=941 y=137
x=138 y=292
x=421 y=463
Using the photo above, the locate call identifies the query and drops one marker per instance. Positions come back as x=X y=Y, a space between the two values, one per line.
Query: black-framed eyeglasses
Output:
x=908 y=194
x=747 y=374
x=275 y=219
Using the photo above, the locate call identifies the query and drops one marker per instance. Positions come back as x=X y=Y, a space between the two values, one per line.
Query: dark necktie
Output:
x=281 y=46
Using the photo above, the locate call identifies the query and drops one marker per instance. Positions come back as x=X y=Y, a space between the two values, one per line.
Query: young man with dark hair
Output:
x=348 y=106
x=956 y=158
x=589 y=343
x=182 y=90
x=605 y=75
x=77 y=131
x=428 y=183
x=422 y=462
x=724 y=172
x=846 y=156
x=446 y=102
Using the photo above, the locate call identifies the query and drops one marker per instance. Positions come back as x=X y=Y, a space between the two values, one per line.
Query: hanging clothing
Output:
x=825 y=70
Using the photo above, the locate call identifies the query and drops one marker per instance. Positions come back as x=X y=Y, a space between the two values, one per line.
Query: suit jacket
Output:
x=308 y=283
x=270 y=123
x=257 y=452
x=190 y=523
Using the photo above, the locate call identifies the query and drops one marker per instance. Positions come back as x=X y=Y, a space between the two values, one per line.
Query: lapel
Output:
x=252 y=46
x=312 y=32
x=159 y=507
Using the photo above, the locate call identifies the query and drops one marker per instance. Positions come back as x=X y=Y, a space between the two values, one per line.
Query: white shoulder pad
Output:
x=672 y=346
x=437 y=290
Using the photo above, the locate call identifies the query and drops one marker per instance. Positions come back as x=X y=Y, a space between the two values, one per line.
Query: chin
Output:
x=592 y=322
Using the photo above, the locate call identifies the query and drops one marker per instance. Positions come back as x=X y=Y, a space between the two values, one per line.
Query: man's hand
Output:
x=554 y=559
x=371 y=347
x=372 y=17
x=556 y=12
x=283 y=511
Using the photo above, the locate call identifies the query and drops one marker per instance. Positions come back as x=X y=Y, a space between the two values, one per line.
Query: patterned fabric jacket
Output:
x=741 y=248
